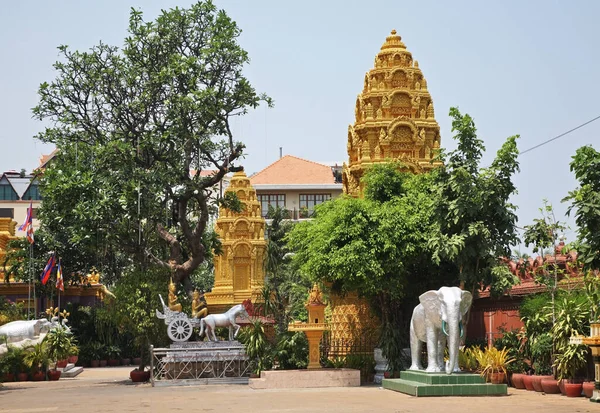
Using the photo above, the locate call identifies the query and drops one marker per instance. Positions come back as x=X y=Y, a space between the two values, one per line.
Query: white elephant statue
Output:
x=25 y=329
x=437 y=320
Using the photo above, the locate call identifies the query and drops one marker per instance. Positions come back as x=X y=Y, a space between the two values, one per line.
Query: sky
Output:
x=518 y=67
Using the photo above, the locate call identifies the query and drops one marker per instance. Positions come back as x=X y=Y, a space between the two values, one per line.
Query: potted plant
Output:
x=541 y=351
x=19 y=366
x=570 y=359
x=37 y=361
x=113 y=353
x=73 y=353
x=493 y=364
x=58 y=343
x=257 y=346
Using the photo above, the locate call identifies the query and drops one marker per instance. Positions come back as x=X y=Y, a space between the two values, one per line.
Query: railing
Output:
x=355 y=353
x=295 y=214
x=192 y=363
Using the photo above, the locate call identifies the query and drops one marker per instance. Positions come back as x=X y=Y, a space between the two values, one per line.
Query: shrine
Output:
x=394 y=117
x=394 y=122
x=239 y=271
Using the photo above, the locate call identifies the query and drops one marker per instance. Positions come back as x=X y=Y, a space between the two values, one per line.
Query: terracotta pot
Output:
x=573 y=389
x=113 y=362
x=537 y=382
x=73 y=359
x=517 y=380
x=103 y=363
x=588 y=388
x=61 y=364
x=497 y=378
x=550 y=386
x=54 y=375
x=138 y=376
x=23 y=376
x=38 y=376
x=561 y=386
x=8 y=377
x=94 y=363
x=125 y=362
x=528 y=382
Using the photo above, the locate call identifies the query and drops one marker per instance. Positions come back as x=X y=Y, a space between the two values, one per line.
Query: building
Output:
x=296 y=185
x=17 y=191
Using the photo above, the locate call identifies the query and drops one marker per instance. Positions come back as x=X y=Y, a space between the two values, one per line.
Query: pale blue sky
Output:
x=518 y=67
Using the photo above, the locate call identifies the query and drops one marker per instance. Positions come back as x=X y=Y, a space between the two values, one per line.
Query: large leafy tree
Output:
x=377 y=246
x=477 y=219
x=130 y=123
x=585 y=200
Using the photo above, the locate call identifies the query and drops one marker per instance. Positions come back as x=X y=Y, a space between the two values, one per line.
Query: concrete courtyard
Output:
x=109 y=390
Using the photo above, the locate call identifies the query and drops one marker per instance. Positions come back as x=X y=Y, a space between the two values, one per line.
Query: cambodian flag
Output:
x=59 y=277
x=48 y=269
x=28 y=224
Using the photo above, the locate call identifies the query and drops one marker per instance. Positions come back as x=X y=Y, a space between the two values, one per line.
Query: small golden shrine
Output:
x=315 y=326
x=394 y=117
x=7 y=234
x=239 y=271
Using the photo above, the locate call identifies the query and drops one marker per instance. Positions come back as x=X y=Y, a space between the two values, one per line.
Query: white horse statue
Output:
x=225 y=320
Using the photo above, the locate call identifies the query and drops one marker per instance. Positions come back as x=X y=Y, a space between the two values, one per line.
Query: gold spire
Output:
x=394 y=117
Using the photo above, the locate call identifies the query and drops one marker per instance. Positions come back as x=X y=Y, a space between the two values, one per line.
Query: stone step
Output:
x=72 y=372
x=420 y=389
x=420 y=376
x=68 y=367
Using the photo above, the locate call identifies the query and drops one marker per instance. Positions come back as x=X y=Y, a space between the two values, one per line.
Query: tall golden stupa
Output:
x=394 y=117
x=239 y=271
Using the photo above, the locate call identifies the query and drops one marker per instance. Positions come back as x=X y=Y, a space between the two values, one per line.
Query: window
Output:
x=275 y=200
x=308 y=201
x=7 y=213
x=32 y=193
x=7 y=193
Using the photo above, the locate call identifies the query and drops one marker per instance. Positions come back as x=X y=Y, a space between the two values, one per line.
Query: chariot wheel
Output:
x=180 y=330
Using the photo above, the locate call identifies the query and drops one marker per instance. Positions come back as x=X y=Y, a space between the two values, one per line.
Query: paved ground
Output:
x=109 y=390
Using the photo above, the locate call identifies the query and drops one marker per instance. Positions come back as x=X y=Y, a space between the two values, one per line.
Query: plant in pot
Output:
x=257 y=347
x=18 y=364
x=137 y=298
x=493 y=364
x=114 y=353
x=58 y=343
x=73 y=353
x=37 y=361
x=513 y=342
x=541 y=352
x=570 y=359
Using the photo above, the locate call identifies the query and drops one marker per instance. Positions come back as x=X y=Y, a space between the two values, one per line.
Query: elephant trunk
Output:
x=453 y=344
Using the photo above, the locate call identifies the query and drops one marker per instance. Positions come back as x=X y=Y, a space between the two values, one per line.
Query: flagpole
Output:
x=29 y=283
x=31 y=279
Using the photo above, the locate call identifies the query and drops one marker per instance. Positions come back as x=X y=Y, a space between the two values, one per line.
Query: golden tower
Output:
x=394 y=117
x=239 y=271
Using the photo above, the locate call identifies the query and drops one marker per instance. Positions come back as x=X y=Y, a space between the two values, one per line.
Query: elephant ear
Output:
x=433 y=306
x=465 y=303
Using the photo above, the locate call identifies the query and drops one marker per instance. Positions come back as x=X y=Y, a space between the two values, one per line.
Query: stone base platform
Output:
x=286 y=379
x=70 y=371
x=420 y=384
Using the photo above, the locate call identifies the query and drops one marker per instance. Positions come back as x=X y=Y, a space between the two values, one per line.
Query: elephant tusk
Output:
x=444 y=329
x=462 y=330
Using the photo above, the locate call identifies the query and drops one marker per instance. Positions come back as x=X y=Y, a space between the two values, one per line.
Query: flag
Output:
x=48 y=269
x=28 y=224
x=59 y=277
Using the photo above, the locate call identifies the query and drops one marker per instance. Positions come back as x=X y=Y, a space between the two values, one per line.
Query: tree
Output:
x=378 y=247
x=585 y=200
x=130 y=124
x=477 y=219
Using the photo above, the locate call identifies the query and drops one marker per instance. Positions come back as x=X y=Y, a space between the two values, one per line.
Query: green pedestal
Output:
x=422 y=384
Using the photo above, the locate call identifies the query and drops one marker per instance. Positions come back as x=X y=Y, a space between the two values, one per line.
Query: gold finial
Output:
x=393 y=41
x=314 y=296
x=393 y=32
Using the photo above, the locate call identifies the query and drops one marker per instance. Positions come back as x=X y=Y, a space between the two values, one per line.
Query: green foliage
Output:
x=571 y=359
x=291 y=351
x=383 y=182
x=36 y=358
x=585 y=200
x=257 y=346
x=592 y=291
x=11 y=311
x=476 y=218
x=513 y=343
x=130 y=124
x=58 y=343
x=541 y=353
x=137 y=299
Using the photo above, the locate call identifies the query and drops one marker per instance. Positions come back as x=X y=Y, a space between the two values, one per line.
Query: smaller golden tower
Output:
x=239 y=271
x=315 y=326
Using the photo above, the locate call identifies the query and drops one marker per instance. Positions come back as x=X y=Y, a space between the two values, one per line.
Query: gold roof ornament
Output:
x=394 y=117
x=315 y=297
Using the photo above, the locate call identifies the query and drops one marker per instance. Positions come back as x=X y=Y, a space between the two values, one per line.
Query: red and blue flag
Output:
x=48 y=269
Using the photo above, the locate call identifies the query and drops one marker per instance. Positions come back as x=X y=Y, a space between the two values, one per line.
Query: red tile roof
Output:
x=292 y=170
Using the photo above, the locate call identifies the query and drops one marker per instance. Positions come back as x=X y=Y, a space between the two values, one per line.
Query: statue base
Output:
x=298 y=379
x=200 y=362
x=422 y=384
